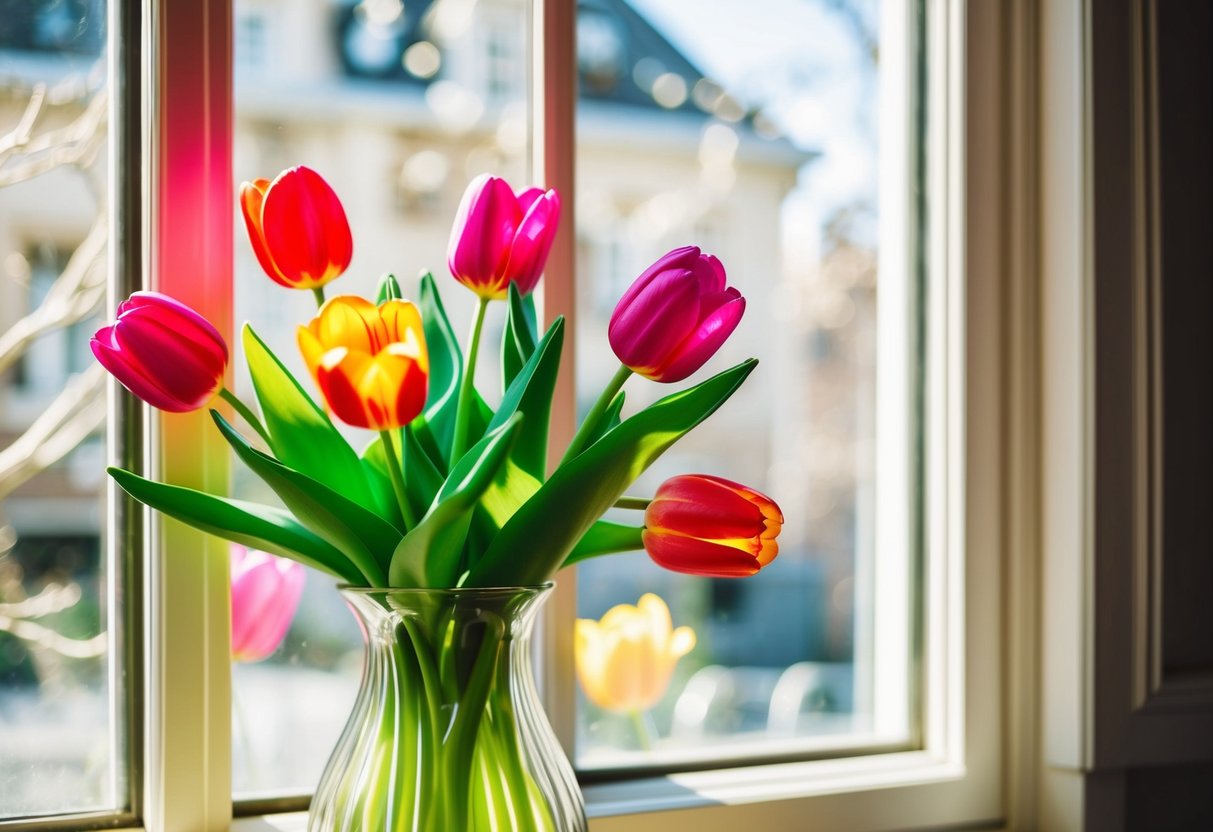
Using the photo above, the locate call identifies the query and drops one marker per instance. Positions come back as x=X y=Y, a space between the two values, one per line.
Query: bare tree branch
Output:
x=24 y=156
x=77 y=293
x=74 y=414
x=47 y=638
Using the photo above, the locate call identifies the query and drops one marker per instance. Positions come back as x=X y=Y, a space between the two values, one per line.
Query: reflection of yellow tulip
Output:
x=625 y=660
x=370 y=361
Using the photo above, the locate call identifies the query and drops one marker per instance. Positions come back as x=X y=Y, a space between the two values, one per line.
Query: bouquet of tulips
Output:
x=450 y=500
x=450 y=492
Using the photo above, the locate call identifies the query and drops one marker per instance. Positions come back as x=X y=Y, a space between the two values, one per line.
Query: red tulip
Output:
x=265 y=594
x=499 y=238
x=675 y=316
x=297 y=227
x=711 y=526
x=163 y=352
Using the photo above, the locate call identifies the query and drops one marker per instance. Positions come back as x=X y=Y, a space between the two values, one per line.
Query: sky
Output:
x=803 y=63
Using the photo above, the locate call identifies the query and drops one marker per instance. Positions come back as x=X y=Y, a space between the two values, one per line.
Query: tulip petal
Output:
x=483 y=231
x=703 y=343
x=252 y=198
x=679 y=258
x=116 y=362
x=533 y=241
x=699 y=557
x=671 y=300
x=305 y=228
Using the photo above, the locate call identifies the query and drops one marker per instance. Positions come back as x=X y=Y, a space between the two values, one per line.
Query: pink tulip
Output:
x=297 y=227
x=163 y=352
x=675 y=316
x=265 y=594
x=499 y=238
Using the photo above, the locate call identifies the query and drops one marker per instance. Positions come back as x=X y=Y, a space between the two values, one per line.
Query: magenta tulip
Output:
x=163 y=352
x=265 y=594
x=675 y=316
x=501 y=238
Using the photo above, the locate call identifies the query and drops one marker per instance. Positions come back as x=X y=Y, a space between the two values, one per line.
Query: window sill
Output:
x=836 y=793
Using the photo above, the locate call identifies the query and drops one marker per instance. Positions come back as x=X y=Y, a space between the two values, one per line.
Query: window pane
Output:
x=398 y=105
x=62 y=747
x=762 y=133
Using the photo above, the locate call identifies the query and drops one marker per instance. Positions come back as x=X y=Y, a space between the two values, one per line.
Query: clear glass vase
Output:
x=448 y=733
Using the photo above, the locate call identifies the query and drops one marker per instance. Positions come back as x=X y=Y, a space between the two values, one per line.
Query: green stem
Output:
x=463 y=411
x=590 y=423
x=460 y=745
x=643 y=734
x=318 y=293
x=245 y=413
x=636 y=503
x=393 y=469
x=431 y=713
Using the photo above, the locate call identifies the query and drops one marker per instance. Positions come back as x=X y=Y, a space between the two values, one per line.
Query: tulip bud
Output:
x=163 y=352
x=710 y=526
x=625 y=660
x=675 y=316
x=265 y=594
x=370 y=361
x=499 y=238
x=297 y=228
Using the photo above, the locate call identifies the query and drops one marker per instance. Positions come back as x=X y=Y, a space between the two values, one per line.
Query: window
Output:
x=721 y=141
x=409 y=133
x=63 y=695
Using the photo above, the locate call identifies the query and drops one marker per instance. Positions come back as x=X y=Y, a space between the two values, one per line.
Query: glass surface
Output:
x=60 y=733
x=758 y=132
x=398 y=105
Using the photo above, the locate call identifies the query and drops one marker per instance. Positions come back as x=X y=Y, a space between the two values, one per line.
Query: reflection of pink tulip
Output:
x=499 y=238
x=265 y=595
x=163 y=352
x=675 y=316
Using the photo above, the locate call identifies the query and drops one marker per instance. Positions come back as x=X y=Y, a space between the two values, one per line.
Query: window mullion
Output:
x=188 y=778
x=554 y=101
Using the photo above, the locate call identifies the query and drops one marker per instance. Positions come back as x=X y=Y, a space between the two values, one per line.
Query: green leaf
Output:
x=389 y=289
x=552 y=522
x=365 y=537
x=421 y=479
x=531 y=395
x=446 y=365
x=518 y=336
x=446 y=373
x=374 y=465
x=605 y=538
x=301 y=435
x=611 y=418
x=429 y=555
x=256 y=526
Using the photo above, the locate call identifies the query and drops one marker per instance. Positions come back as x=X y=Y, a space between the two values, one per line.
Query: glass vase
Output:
x=448 y=732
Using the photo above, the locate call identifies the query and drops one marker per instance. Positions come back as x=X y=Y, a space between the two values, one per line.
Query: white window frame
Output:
x=957 y=778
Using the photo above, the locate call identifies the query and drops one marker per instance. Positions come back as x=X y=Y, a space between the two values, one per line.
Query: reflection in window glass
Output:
x=398 y=105
x=750 y=130
x=61 y=746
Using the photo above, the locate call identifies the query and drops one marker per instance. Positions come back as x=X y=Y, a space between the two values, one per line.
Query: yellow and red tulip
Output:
x=626 y=659
x=710 y=526
x=163 y=351
x=675 y=316
x=370 y=361
x=500 y=238
x=297 y=227
x=265 y=595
